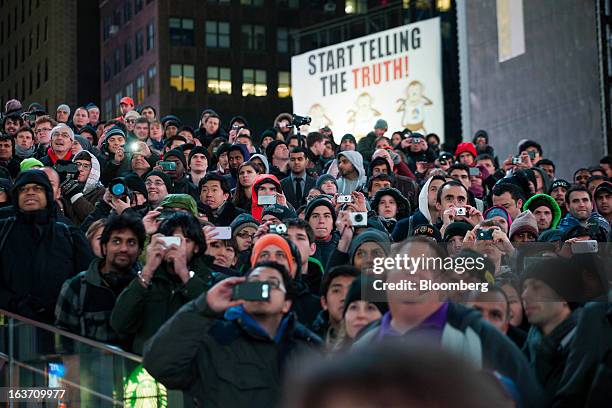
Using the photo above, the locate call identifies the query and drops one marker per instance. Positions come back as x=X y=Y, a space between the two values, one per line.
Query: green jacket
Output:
x=223 y=362
x=141 y=311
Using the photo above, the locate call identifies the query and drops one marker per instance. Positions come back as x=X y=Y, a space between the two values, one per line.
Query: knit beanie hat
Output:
x=178 y=154
x=428 y=231
x=498 y=211
x=350 y=137
x=559 y=274
x=115 y=131
x=465 y=147
x=381 y=124
x=525 y=222
x=370 y=235
x=317 y=202
x=199 y=150
x=272 y=147
x=544 y=200
x=30 y=162
x=183 y=201
x=279 y=211
x=559 y=183
x=325 y=177
x=241 y=222
x=133 y=181
x=362 y=288
x=266 y=241
x=456 y=229
x=165 y=178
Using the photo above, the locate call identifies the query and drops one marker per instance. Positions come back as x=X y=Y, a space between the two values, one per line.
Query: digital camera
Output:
x=359 y=219
x=461 y=211
x=280 y=229
x=300 y=120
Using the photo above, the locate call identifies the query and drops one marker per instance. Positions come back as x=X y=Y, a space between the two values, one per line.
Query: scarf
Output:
x=23 y=152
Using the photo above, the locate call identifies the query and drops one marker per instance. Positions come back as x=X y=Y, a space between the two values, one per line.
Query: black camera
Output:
x=66 y=170
x=119 y=189
x=300 y=120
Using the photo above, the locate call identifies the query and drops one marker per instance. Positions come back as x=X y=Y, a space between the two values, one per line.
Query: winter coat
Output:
x=256 y=209
x=224 y=362
x=227 y=215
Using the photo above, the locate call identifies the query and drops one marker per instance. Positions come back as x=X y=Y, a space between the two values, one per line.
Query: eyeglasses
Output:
x=273 y=282
x=34 y=188
x=130 y=121
x=150 y=183
x=41 y=130
x=84 y=166
x=246 y=235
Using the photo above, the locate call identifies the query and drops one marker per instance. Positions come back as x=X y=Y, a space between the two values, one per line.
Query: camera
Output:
x=484 y=234
x=167 y=165
x=345 y=199
x=585 y=247
x=474 y=171
x=266 y=199
x=516 y=160
x=66 y=170
x=168 y=241
x=461 y=211
x=119 y=189
x=300 y=120
x=280 y=229
x=359 y=219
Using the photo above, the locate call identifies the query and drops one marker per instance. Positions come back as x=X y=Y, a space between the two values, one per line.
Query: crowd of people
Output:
x=138 y=231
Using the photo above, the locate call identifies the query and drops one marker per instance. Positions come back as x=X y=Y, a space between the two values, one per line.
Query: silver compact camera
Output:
x=280 y=229
x=345 y=199
x=461 y=211
x=359 y=219
x=516 y=160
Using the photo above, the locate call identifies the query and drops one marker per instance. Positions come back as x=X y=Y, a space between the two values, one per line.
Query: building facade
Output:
x=47 y=54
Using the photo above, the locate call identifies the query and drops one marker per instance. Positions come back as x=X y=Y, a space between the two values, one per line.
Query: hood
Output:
x=264 y=159
x=242 y=148
x=546 y=182
x=423 y=204
x=93 y=180
x=357 y=160
x=7 y=186
x=371 y=235
x=539 y=200
x=403 y=206
x=256 y=210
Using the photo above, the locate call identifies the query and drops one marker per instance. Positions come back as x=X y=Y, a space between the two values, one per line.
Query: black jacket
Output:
x=184 y=186
x=289 y=189
x=227 y=215
x=221 y=362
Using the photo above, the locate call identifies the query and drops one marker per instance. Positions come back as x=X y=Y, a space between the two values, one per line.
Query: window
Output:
x=284 y=40
x=288 y=3
x=108 y=108
x=284 y=84
x=106 y=27
x=129 y=90
x=253 y=37
x=117 y=104
x=181 y=31
x=140 y=85
x=254 y=82
x=117 y=62
x=127 y=53
x=254 y=3
x=117 y=18
x=182 y=77
x=150 y=36
x=217 y=34
x=151 y=79
x=139 y=44
x=219 y=80
x=107 y=71
x=127 y=10
x=137 y=6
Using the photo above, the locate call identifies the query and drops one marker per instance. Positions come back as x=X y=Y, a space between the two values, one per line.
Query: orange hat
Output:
x=271 y=239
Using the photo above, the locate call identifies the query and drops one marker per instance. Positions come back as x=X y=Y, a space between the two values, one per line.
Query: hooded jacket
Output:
x=256 y=209
x=346 y=258
x=38 y=254
x=420 y=217
x=539 y=200
x=264 y=159
x=83 y=204
x=546 y=182
x=346 y=186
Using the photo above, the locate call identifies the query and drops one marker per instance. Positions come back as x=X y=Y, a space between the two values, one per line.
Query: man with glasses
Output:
x=130 y=122
x=219 y=358
x=158 y=186
x=84 y=190
x=33 y=266
x=62 y=138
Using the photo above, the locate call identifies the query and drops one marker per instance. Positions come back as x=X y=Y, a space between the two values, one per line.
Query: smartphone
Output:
x=585 y=247
x=484 y=234
x=167 y=165
x=223 y=232
x=252 y=291
x=474 y=171
x=171 y=241
x=266 y=199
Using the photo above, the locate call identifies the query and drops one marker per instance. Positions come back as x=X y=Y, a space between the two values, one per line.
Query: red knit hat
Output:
x=271 y=239
x=465 y=147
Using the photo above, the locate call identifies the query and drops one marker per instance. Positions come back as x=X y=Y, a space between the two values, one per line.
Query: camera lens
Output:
x=358 y=217
x=118 y=189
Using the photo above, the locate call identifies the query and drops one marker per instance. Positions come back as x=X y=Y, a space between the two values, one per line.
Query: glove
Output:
x=71 y=188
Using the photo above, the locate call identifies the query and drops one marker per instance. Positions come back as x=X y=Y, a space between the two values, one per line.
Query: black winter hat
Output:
x=317 y=202
x=199 y=150
x=134 y=182
x=271 y=147
x=165 y=178
x=34 y=176
x=350 y=137
x=560 y=183
x=560 y=275
x=456 y=229
x=362 y=288
x=180 y=155
x=279 y=211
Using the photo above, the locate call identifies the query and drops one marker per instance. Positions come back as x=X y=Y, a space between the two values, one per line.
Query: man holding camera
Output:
x=230 y=351
x=175 y=166
x=173 y=274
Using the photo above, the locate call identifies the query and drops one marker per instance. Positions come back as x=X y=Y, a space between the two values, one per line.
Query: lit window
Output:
x=182 y=77
x=140 y=89
x=219 y=80
x=254 y=82
x=284 y=84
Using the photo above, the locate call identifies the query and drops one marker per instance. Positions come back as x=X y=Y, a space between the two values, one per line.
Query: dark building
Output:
x=555 y=92
x=49 y=52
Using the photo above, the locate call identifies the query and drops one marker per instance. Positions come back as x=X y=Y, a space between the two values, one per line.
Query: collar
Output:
x=303 y=176
x=247 y=322
x=435 y=321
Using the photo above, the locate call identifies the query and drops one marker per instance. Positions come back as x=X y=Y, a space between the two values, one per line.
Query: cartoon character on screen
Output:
x=363 y=115
x=413 y=107
x=319 y=118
